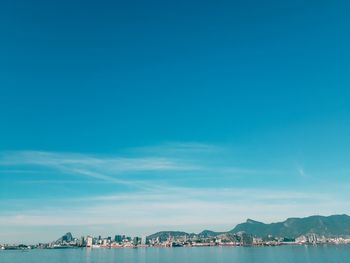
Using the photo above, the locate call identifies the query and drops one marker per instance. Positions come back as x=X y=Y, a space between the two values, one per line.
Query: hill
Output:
x=335 y=225
x=328 y=226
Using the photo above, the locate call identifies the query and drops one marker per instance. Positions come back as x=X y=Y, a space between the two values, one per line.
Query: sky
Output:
x=132 y=117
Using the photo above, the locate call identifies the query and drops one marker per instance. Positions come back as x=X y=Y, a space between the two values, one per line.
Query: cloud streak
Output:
x=192 y=209
x=170 y=159
x=145 y=192
x=103 y=168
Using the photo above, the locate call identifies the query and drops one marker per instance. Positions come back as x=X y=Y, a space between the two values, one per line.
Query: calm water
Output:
x=300 y=254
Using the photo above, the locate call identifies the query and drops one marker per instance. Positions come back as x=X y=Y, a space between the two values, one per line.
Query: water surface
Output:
x=302 y=254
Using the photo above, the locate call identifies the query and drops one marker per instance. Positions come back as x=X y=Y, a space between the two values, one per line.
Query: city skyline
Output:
x=316 y=230
x=139 y=117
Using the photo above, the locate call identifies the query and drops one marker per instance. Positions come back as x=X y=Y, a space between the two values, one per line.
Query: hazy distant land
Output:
x=334 y=229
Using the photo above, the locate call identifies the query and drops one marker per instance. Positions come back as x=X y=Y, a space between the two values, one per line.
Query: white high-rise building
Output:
x=89 y=241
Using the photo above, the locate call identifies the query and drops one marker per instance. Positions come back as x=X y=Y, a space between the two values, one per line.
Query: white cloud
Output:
x=178 y=206
x=153 y=203
x=105 y=168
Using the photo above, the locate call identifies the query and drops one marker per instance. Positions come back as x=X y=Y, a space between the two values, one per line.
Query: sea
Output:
x=302 y=254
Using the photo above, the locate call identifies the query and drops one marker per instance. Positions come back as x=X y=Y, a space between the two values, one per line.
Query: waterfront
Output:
x=292 y=254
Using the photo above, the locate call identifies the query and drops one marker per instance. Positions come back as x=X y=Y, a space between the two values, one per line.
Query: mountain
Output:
x=328 y=226
x=65 y=238
x=335 y=225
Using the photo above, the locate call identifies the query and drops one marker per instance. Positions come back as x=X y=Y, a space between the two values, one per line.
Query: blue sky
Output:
x=186 y=115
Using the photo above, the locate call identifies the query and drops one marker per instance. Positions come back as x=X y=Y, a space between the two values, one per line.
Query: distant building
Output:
x=81 y=242
x=118 y=238
x=137 y=241
x=89 y=242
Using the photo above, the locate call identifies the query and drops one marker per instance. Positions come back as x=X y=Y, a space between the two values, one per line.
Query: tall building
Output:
x=89 y=241
x=118 y=238
x=137 y=241
x=82 y=242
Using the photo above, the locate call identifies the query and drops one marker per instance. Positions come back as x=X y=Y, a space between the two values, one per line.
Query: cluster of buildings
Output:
x=304 y=240
x=316 y=239
x=122 y=241
x=14 y=247
x=240 y=239
x=68 y=241
x=118 y=241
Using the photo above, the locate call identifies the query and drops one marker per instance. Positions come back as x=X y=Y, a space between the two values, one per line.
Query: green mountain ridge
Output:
x=335 y=225
x=328 y=226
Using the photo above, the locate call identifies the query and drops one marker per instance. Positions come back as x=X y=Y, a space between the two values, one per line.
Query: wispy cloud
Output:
x=167 y=159
x=186 y=207
x=144 y=191
x=104 y=168
x=113 y=164
x=301 y=171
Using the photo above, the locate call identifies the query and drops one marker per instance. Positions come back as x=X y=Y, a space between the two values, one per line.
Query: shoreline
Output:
x=29 y=248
